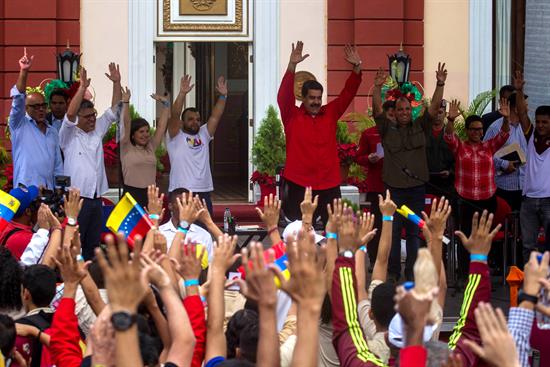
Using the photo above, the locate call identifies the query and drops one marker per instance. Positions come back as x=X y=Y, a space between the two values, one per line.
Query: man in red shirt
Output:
x=311 y=154
x=18 y=233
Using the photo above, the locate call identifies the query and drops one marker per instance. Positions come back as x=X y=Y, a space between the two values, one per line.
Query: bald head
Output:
x=36 y=107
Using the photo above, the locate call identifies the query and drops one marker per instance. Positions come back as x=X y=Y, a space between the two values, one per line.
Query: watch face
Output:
x=122 y=320
x=71 y=221
x=348 y=254
x=184 y=224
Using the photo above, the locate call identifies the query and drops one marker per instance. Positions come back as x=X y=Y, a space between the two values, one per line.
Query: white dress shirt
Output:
x=195 y=234
x=84 y=154
x=37 y=246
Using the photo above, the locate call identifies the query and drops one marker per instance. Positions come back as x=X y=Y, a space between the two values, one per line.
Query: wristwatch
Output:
x=527 y=297
x=123 y=320
x=71 y=221
x=347 y=253
x=184 y=224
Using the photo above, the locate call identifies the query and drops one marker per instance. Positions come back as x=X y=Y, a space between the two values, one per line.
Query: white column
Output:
x=266 y=62
x=141 y=53
x=481 y=47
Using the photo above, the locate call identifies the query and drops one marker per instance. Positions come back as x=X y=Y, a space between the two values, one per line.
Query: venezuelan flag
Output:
x=129 y=218
x=8 y=207
x=280 y=257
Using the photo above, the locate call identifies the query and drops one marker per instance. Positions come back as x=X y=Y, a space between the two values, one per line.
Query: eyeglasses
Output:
x=89 y=116
x=38 y=106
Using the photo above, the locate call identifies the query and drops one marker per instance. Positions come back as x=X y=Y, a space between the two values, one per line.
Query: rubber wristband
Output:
x=183 y=230
x=191 y=282
x=154 y=216
x=363 y=248
x=222 y=96
x=478 y=257
x=79 y=258
x=408 y=285
x=271 y=230
x=165 y=104
x=332 y=235
x=387 y=218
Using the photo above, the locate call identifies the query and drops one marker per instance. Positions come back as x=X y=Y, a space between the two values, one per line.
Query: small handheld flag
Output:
x=280 y=258
x=8 y=207
x=129 y=218
x=410 y=215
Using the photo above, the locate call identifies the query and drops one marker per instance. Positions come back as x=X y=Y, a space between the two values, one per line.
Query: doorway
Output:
x=205 y=62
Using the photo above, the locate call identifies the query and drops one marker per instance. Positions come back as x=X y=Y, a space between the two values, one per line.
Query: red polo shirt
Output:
x=18 y=241
x=367 y=145
x=311 y=154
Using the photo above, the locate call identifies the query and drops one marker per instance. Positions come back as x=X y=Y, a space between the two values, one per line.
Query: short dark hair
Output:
x=388 y=105
x=542 y=111
x=382 y=304
x=248 y=343
x=189 y=109
x=11 y=275
x=86 y=103
x=7 y=335
x=506 y=89
x=137 y=124
x=470 y=119
x=39 y=280
x=235 y=327
x=59 y=92
x=148 y=349
x=176 y=193
x=311 y=84
x=402 y=98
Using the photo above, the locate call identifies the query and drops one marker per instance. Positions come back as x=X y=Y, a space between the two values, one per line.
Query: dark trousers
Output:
x=372 y=248
x=535 y=213
x=414 y=198
x=90 y=223
x=208 y=200
x=467 y=210
x=513 y=198
x=293 y=195
x=139 y=194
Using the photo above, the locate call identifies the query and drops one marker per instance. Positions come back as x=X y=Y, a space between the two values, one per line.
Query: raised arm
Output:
x=114 y=76
x=521 y=103
x=387 y=209
x=126 y=123
x=217 y=112
x=270 y=217
x=441 y=76
x=335 y=214
x=285 y=96
x=162 y=122
x=505 y=112
x=74 y=106
x=25 y=64
x=174 y=123
x=379 y=80
x=352 y=83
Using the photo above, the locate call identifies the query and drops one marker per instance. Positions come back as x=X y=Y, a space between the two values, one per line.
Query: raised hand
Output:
x=221 y=86
x=308 y=206
x=188 y=264
x=25 y=62
x=380 y=78
x=155 y=201
x=114 y=73
x=102 y=335
x=441 y=73
x=43 y=217
x=504 y=107
x=352 y=56
x=260 y=284
x=159 y=242
x=125 y=285
x=386 y=205
x=481 y=237
x=534 y=271
x=185 y=84
x=499 y=348
x=335 y=213
x=437 y=221
x=307 y=280
x=347 y=232
x=518 y=81
x=270 y=214
x=84 y=80
x=126 y=95
x=73 y=203
x=72 y=271
x=154 y=272
x=187 y=208
x=365 y=232
x=160 y=98
x=224 y=253
x=454 y=110
x=296 y=56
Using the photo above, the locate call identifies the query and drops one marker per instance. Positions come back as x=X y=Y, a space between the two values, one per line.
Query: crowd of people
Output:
x=175 y=297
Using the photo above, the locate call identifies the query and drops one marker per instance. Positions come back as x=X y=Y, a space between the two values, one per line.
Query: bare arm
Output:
x=74 y=106
x=335 y=213
x=454 y=112
x=162 y=123
x=521 y=104
x=126 y=115
x=114 y=76
x=92 y=294
x=174 y=122
x=387 y=208
x=441 y=76
x=217 y=112
x=361 y=276
x=379 y=80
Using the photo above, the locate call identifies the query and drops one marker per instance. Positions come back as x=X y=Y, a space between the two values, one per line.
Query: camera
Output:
x=55 y=199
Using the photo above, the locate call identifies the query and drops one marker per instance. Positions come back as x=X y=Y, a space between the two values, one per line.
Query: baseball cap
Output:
x=25 y=195
x=293 y=228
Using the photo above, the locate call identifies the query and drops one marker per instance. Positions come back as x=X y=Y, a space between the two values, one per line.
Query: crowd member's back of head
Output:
x=7 y=335
x=38 y=286
x=235 y=327
x=248 y=343
x=506 y=90
x=10 y=282
x=382 y=304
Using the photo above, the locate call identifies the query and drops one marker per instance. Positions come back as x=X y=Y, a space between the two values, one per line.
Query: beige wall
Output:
x=446 y=39
x=304 y=20
x=104 y=38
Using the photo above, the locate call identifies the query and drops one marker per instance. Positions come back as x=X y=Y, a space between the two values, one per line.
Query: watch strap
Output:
x=527 y=297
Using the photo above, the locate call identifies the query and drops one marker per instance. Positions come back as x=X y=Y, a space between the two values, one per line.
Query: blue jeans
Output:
x=534 y=213
x=414 y=198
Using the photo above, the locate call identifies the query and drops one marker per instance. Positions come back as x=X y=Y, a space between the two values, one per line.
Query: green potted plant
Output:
x=268 y=152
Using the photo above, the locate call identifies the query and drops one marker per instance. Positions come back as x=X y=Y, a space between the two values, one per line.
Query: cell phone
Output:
x=232 y=276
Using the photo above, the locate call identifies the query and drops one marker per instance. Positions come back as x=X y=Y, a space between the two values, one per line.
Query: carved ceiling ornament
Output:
x=203 y=5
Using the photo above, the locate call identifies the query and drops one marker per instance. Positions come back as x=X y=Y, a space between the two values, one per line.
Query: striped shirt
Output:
x=508 y=181
x=520 y=321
